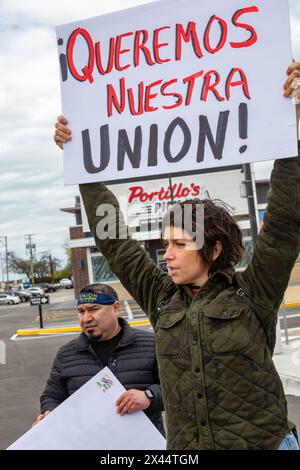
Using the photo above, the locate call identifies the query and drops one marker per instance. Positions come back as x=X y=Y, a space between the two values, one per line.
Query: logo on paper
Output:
x=105 y=383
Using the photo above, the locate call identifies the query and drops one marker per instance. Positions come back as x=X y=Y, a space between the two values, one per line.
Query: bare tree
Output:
x=19 y=265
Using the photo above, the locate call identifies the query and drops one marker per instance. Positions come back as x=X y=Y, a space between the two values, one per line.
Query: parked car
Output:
x=9 y=299
x=22 y=293
x=66 y=283
x=17 y=293
x=52 y=287
x=35 y=290
x=46 y=286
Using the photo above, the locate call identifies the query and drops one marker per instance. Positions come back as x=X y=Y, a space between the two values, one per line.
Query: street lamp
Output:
x=171 y=189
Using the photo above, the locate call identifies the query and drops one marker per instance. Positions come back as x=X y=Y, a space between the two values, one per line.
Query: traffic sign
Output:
x=41 y=299
x=35 y=300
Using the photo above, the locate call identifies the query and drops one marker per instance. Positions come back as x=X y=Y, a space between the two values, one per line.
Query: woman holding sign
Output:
x=215 y=328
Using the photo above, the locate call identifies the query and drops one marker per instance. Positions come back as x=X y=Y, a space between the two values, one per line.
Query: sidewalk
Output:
x=288 y=367
x=61 y=318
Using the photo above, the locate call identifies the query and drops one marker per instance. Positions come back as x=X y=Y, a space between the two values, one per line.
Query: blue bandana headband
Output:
x=96 y=298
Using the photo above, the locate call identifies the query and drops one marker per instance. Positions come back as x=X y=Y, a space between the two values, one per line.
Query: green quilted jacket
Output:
x=220 y=387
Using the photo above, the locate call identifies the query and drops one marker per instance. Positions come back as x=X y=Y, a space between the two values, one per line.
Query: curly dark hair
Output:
x=219 y=225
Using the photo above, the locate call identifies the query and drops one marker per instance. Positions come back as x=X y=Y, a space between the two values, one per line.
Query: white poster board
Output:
x=87 y=420
x=175 y=86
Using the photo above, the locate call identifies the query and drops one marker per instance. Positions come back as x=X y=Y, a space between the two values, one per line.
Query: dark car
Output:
x=51 y=288
x=47 y=287
x=23 y=294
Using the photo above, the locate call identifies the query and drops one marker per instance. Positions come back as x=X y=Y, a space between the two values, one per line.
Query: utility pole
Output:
x=6 y=257
x=52 y=264
x=171 y=189
x=251 y=203
x=30 y=246
x=2 y=269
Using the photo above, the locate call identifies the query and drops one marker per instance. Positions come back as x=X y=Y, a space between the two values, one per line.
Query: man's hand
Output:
x=62 y=133
x=40 y=417
x=131 y=401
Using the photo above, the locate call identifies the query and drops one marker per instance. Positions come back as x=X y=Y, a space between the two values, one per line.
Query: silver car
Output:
x=35 y=290
x=9 y=299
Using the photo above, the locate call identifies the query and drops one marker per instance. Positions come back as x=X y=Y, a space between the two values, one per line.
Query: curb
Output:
x=291 y=304
x=69 y=329
x=75 y=329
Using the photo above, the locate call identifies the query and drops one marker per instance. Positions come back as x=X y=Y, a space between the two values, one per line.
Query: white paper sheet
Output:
x=87 y=420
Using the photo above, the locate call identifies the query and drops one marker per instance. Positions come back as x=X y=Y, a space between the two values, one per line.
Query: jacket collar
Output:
x=83 y=342
x=226 y=275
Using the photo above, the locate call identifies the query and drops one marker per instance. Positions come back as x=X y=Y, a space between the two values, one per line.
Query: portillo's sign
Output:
x=179 y=191
x=148 y=201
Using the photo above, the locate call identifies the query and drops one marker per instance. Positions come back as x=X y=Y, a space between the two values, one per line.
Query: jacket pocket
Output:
x=226 y=328
x=169 y=333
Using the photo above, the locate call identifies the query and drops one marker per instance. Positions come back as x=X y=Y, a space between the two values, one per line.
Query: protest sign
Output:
x=176 y=86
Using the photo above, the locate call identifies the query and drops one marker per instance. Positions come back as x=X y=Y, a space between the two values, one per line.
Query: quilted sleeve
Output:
x=267 y=276
x=55 y=391
x=126 y=258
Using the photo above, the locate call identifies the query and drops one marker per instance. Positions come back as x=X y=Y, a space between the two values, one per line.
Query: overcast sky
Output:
x=31 y=173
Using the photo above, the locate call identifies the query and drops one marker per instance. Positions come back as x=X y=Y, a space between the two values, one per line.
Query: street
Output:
x=29 y=359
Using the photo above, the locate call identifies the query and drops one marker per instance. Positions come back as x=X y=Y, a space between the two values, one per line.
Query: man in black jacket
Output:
x=106 y=340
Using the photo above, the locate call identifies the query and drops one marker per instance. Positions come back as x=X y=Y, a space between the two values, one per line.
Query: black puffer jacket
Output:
x=133 y=362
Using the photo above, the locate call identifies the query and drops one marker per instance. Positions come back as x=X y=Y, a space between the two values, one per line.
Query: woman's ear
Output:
x=217 y=250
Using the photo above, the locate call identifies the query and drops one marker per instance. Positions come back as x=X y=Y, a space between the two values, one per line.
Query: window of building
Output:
x=261 y=192
x=101 y=270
